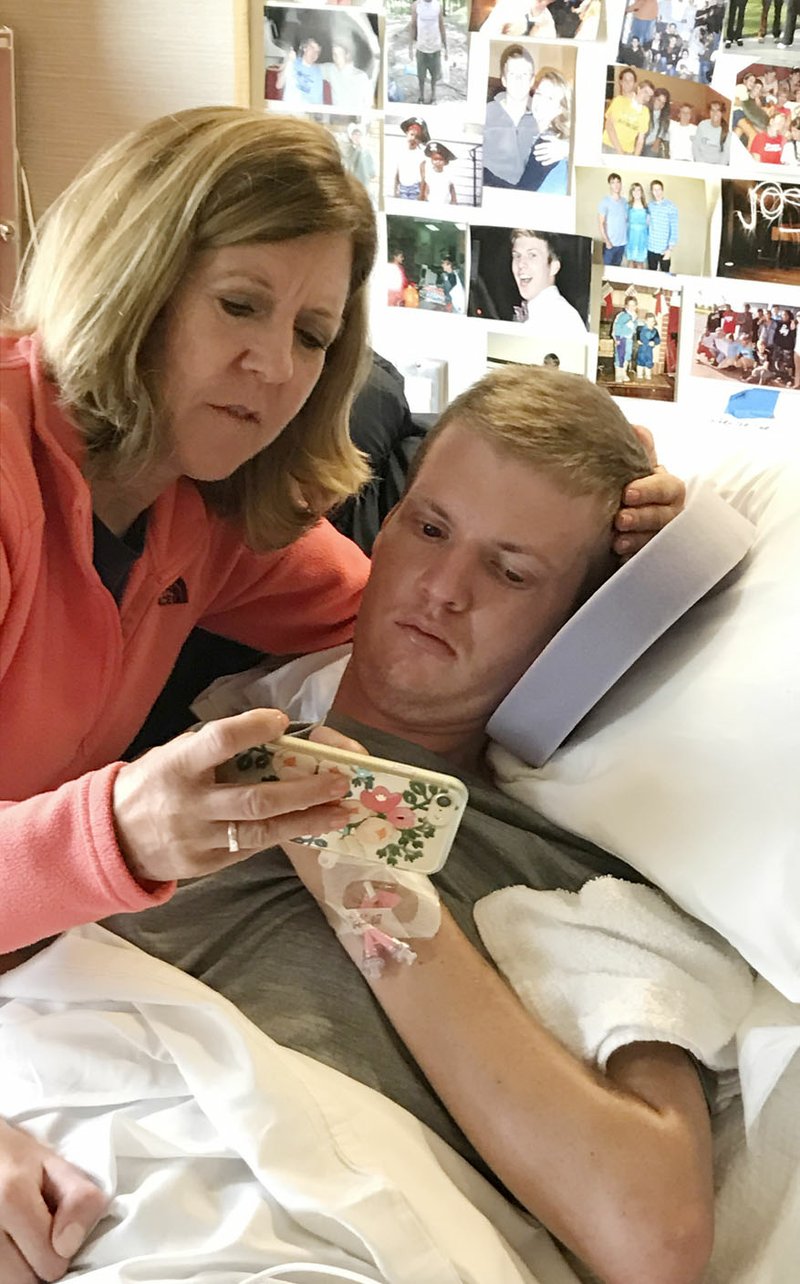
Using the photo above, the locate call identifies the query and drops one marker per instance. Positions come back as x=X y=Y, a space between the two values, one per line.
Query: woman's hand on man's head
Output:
x=648 y=504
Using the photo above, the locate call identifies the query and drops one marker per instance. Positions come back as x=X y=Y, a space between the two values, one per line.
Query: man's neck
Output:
x=462 y=746
x=516 y=108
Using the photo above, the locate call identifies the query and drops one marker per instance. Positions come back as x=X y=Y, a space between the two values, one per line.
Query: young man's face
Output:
x=627 y=82
x=657 y=192
x=473 y=572
x=311 y=52
x=615 y=186
x=686 y=115
x=517 y=79
x=644 y=94
x=530 y=263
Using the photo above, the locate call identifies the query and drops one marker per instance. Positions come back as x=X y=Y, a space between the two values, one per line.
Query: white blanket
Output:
x=616 y=963
x=228 y=1154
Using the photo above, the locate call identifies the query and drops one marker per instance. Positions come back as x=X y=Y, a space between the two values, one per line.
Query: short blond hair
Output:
x=114 y=248
x=559 y=423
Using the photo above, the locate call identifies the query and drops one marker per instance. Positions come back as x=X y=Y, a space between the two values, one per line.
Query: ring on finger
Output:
x=233 y=836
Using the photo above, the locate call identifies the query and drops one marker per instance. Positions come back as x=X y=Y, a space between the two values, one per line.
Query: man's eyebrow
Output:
x=505 y=546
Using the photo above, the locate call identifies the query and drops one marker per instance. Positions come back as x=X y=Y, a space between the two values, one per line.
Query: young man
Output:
x=510 y=129
x=662 y=229
x=351 y=88
x=628 y=116
x=767 y=146
x=612 y=213
x=300 y=79
x=500 y=533
x=535 y=264
x=430 y=38
x=468 y=585
x=409 y=173
x=681 y=134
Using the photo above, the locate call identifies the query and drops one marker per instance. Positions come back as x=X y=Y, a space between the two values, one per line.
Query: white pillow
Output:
x=689 y=768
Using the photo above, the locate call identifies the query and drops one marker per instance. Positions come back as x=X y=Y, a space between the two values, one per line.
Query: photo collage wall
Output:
x=608 y=187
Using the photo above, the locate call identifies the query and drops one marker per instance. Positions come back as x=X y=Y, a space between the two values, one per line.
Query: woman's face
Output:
x=660 y=100
x=637 y=192
x=244 y=344
x=546 y=103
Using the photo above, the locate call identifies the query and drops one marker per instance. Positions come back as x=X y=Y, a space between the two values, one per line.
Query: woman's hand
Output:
x=172 y=816
x=648 y=504
x=47 y=1208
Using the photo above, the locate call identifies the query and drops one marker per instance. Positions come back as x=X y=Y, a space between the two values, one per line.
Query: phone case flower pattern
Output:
x=397 y=826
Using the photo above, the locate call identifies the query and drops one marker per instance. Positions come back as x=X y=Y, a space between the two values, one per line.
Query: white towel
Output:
x=616 y=963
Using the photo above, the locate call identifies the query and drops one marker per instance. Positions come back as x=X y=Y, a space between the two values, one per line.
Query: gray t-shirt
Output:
x=253 y=933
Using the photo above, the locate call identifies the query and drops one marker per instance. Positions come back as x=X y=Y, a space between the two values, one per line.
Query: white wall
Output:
x=89 y=70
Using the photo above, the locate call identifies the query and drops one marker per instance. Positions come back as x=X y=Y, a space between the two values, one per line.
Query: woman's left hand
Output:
x=648 y=504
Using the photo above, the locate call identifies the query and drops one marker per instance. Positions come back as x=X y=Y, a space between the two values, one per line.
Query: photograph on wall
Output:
x=426 y=47
x=359 y=140
x=637 y=353
x=538 y=279
x=317 y=58
x=650 y=114
x=760 y=237
x=556 y=20
x=426 y=264
x=752 y=340
x=652 y=220
x=443 y=167
x=503 y=349
x=527 y=136
x=766 y=114
x=749 y=23
x=678 y=38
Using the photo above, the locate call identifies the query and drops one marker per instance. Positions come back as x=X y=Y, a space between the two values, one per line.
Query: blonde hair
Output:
x=560 y=423
x=562 y=123
x=118 y=242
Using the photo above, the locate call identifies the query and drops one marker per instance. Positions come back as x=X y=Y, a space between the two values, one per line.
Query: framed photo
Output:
x=538 y=279
x=760 y=236
x=650 y=114
x=640 y=324
x=320 y=58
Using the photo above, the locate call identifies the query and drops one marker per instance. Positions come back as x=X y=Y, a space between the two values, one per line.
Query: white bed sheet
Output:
x=228 y=1154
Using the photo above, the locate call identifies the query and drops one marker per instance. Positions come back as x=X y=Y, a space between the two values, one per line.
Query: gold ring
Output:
x=233 y=836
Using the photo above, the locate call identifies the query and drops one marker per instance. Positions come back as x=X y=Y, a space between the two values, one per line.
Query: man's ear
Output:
x=555 y=268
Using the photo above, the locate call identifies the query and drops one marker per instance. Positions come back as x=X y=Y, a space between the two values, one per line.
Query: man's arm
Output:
x=412 y=30
x=442 y=32
x=610 y=129
x=673 y=229
x=617 y=1166
x=601 y=218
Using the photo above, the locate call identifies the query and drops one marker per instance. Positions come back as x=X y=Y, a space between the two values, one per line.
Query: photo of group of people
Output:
x=750 y=22
x=320 y=58
x=426 y=51
x=644 y=221
x=679 y=38
x=766 y=113
x=647 y=116
x=426 y=265
x=529 y=115
x=556 y=20
x=440 y=171
x=638 y=339
x=760 y=237
x=757 y=343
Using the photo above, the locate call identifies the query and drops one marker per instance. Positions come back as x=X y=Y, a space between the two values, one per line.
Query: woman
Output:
x=551 y=106
x=636 y=247
x=656 y=140
x=175 y=421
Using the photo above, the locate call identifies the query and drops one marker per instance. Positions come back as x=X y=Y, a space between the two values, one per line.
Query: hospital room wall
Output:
x=89 y=70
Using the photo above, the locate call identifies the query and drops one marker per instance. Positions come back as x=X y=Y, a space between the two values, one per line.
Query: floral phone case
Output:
x=401 y=815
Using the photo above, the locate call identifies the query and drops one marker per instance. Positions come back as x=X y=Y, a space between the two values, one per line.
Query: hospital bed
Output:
x=235 y=1161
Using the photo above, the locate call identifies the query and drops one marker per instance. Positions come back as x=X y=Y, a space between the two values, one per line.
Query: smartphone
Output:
x=401 y=815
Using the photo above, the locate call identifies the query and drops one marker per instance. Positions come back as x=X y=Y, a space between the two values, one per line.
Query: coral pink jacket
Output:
x=78 y=675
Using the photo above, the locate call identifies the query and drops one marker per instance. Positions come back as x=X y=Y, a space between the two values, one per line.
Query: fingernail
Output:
x=623 y=545
x=624 y=520
x=632 y=496
x=338 y=785
x=66 y=1242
